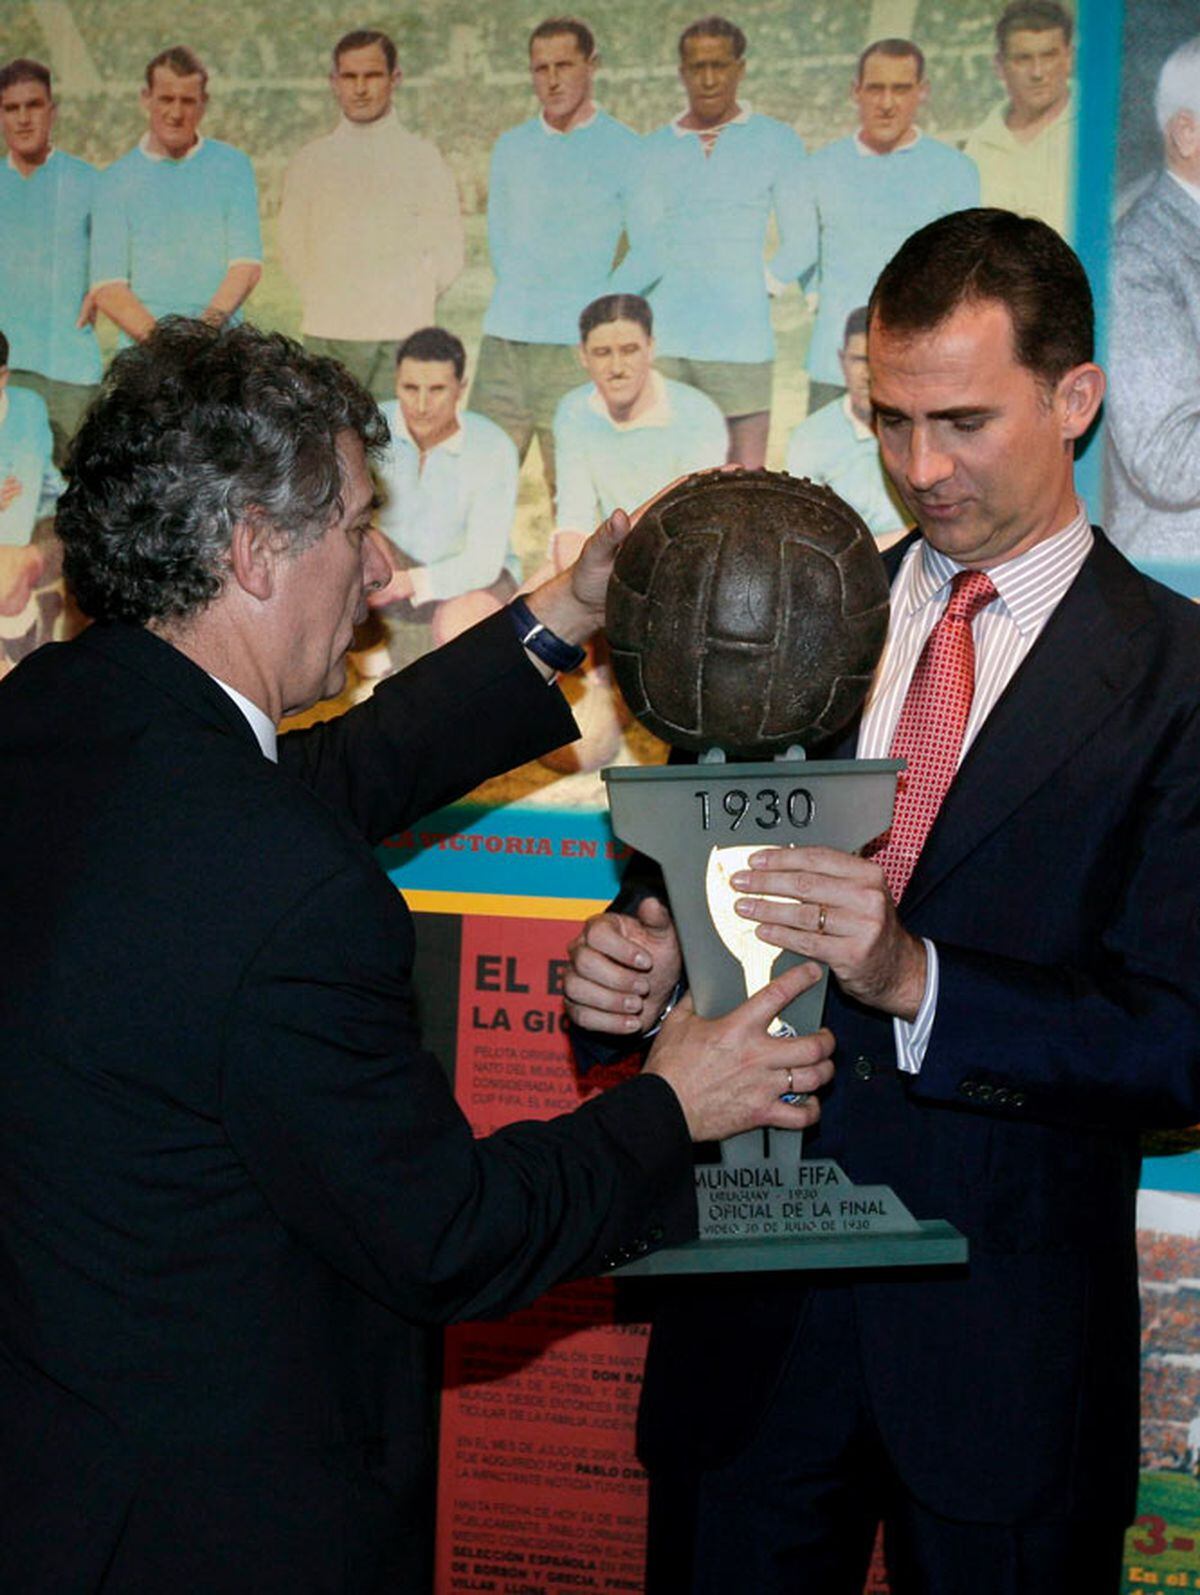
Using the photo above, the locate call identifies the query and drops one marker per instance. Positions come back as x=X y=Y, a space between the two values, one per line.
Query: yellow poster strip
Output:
x=501 y=907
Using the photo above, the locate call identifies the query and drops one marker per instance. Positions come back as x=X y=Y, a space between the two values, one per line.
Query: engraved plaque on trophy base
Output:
x=808 y=1215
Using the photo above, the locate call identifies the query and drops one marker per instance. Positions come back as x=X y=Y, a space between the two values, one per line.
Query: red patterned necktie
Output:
x=929 y=732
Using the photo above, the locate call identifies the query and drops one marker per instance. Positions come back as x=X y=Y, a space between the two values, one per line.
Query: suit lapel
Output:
x=1073 y=678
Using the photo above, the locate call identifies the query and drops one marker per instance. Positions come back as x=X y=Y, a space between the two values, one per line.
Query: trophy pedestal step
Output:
x=932 y=1243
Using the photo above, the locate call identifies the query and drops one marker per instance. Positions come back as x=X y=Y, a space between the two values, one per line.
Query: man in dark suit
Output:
x=1002 y=1034
x=234 y=1190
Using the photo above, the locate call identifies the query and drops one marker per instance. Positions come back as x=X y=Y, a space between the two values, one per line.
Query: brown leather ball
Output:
x=747 y=611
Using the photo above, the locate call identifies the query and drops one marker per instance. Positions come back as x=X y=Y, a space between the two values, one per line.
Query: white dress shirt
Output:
x=1029 y=589
x=260 y=722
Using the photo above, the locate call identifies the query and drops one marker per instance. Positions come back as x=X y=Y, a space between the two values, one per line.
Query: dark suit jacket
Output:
x=1059 y=885
x=234 y=1190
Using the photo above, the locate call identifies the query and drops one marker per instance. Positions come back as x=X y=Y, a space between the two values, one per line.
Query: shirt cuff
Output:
x=912 y=1035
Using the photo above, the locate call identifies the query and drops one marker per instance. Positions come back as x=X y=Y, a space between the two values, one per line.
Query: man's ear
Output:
x=252 y=558
x=1080 y=391
x=1183 y=135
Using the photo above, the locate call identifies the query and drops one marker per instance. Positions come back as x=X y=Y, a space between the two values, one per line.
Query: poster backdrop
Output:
x=539 y=1487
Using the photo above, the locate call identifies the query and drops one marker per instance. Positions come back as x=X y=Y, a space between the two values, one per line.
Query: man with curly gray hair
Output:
x=235 y=1192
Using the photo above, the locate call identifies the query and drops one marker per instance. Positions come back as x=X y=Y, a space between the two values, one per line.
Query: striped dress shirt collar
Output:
x=1029 y=587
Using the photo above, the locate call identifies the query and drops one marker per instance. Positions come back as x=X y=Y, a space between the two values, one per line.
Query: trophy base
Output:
x=933 y=1243
x=768 y=1213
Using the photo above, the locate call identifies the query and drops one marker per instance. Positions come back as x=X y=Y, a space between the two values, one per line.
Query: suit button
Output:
x=863 y=1067
x=968 y=1088
x=1018 y=1099
x=983 y=1093
x=1001 y=1096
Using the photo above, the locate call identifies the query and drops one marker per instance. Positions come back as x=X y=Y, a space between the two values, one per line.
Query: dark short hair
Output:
x=616 y=307
x=895 y=50
x=183 y=62
x=986 y=256
x=433 y=343
x=1033 y=16
x=554 y=27
x=363 y=39
x=3 y=350
x=715 y=28
x=856 y=324
x=194 y=431
x=23 y=69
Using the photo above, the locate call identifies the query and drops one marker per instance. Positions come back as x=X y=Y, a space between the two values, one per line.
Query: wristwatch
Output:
x=550 y=648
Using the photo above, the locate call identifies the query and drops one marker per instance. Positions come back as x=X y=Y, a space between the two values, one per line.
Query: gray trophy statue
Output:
x=746 y=614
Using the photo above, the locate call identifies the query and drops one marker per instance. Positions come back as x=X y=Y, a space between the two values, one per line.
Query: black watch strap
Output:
x=540 y=640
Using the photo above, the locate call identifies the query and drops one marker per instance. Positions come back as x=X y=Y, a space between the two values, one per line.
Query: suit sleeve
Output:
x=1111 y=1038
x=350 y=1129
x=460 y=714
